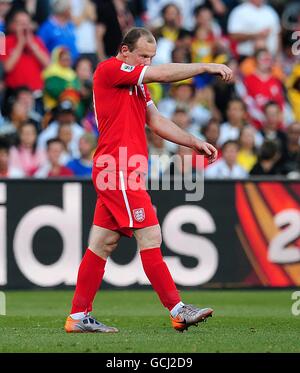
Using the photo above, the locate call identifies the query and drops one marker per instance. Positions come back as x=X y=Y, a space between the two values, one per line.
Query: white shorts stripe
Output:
x=126 y=199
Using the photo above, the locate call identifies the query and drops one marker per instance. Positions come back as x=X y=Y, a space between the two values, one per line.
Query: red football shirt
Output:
x=120 y=100
x=264 y=90
x=28 y=69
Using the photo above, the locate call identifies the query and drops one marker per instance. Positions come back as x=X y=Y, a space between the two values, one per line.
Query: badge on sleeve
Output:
x=127 y=68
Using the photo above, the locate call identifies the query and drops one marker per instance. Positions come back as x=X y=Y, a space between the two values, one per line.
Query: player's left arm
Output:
x=168 y=130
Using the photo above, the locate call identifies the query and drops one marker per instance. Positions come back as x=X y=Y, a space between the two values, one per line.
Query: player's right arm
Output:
x=168 y=130
x=174 y=72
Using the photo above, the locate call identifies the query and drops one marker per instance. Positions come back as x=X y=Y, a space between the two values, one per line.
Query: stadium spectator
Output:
x=248 y=65
x=58 y=29
x=227 y=167
x=206 y=37
x=65 y=114
x=209 y=29
x=53 y=167
x=5 y=7
x=291 y=155
x=59 y=76
x=254 y=20
x=84 y=69
x=84 y=72
x=262 y=87
x=268 y=160
x=65 y=135
x=183 y=94
x=272 y=127
x=25 y=156
x=223 y=93
x=7 y=171
x=181 y=54
x=187 y=9
x=167 y=34
x=211 y=133
x=113 y=20
x=236 y=121
x=25 y=96
x=182 y=118
x=26 y=55
x=17 y=114
x=84 y=18
x=247 y=154
x=171 y=25
x=82 y=166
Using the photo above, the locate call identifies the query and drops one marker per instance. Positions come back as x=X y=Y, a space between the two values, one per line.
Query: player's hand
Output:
x=206 y=149
x=222 y=70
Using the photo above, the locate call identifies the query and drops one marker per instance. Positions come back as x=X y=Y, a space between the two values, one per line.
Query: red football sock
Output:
x=160 y=277
x=90 y=275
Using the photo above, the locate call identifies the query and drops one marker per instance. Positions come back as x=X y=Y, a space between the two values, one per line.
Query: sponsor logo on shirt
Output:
x=139 y=214
x=127 y=68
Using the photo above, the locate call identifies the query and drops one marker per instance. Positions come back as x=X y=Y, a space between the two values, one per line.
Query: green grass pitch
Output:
x=244 y=321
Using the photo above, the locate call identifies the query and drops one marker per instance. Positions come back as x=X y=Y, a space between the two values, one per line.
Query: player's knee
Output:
x=104 y=248
x=150 y=239
x=107 y=250
x=109 y=245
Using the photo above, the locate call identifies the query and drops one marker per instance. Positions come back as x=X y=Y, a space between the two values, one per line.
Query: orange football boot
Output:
x=189 y=315
x=87 y=325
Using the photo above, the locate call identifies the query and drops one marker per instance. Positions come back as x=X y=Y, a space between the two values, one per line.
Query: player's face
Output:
x=142 y=54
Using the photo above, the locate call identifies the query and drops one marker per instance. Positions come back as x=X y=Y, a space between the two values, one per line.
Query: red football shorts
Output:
x=123 y=209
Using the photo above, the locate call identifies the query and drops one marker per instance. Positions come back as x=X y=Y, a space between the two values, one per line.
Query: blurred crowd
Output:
x=49 y=50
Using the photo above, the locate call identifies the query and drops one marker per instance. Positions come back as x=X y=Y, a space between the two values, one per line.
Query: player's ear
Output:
x=124 y=50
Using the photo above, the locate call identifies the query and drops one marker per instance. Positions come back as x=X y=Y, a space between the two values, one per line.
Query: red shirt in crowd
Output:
x=264 y=91
x=63 y=171
x=28 y=69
